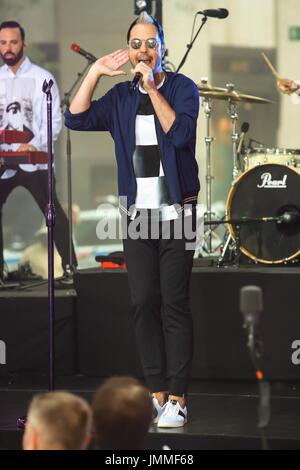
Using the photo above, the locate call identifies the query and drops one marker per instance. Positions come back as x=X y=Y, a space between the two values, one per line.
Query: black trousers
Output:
x=159 y=273
x=37 y=184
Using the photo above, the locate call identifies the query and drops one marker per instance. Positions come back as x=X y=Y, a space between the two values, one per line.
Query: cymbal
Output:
x=209 y=88
x=233 y=96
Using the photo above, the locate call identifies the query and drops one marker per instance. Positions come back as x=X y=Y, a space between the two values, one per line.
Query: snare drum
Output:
x=262 y=156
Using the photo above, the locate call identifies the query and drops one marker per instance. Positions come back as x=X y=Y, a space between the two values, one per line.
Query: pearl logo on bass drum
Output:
x=269 y=183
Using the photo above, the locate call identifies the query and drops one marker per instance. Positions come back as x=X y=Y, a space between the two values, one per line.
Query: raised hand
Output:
x=110 y=64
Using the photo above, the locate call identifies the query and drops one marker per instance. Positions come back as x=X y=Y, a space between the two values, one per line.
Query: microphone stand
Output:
x=65 y=103
x=255 y=347
x=189 y=46
x=50 y=222
x=251 y=307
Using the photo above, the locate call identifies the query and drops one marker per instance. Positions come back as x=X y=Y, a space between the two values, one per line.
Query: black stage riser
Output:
x=24 y=329
x=94 y=332
x=106 y=343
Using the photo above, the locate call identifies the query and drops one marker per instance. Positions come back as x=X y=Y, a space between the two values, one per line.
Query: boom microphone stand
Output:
x=286 y=218
x=65 y=103
x=189 y=46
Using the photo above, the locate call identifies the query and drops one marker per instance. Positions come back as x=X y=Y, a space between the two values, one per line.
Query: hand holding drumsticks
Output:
x=285 y=85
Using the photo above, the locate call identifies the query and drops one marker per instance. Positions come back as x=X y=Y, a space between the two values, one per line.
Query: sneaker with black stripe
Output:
x=158 y=410
x=173 y=415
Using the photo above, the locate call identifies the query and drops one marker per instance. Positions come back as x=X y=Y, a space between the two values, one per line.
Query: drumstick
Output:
x=274 y=72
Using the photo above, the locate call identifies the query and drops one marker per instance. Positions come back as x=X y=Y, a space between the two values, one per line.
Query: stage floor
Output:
x=222 y=415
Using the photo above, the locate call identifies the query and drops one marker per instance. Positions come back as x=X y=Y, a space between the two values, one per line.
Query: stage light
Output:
x=142 y=5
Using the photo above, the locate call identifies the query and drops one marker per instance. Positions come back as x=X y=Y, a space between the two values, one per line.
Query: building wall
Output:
x=100 y=26
x=244 y=27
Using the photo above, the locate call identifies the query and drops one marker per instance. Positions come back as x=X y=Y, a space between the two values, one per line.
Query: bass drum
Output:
x=267 y=191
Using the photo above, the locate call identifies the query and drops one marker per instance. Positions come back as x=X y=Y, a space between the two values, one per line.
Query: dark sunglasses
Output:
x=137 y=43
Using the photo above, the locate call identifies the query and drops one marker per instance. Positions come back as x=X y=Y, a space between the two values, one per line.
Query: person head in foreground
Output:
x=123 y=412
x=58 y=421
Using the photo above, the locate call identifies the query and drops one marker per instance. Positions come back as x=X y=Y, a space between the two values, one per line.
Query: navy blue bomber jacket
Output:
x=116 y=112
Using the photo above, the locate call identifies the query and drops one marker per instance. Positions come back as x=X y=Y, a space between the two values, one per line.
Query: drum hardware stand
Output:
x=237 y=241
x=224 y=250
x=232 y=111
x=236 y=247
x=207 y=104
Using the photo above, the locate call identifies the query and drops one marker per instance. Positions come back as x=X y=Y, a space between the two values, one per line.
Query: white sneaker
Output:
x=159 y=409
x=173 y=415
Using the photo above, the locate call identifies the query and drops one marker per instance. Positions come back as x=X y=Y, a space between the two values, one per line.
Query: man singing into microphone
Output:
x=154 y=130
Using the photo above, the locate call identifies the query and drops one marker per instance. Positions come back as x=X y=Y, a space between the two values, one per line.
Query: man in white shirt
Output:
x=23 y=107
x=290 y=87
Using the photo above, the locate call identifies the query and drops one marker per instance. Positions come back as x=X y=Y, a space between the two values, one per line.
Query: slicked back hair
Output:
x=145 y=18
x=13 y=24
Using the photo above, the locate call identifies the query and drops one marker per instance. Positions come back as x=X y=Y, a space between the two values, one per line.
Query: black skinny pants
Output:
x=159 y=273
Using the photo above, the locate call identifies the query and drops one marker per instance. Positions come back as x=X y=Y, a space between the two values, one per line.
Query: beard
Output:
x=13 y=59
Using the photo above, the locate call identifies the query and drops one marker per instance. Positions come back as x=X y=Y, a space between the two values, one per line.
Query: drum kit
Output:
x=263 y=204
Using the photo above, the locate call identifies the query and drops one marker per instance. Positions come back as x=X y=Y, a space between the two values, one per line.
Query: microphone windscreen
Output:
x=75 y=47
x=224 y=12
x=245 y=127
x=251 y=300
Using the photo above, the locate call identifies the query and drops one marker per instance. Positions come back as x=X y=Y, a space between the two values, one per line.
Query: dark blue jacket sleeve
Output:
x=97 y=118
x=186 y=106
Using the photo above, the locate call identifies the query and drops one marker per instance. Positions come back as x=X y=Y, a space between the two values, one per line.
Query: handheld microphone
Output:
x=218 y=13
x=135 y=80
x=90 y=57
